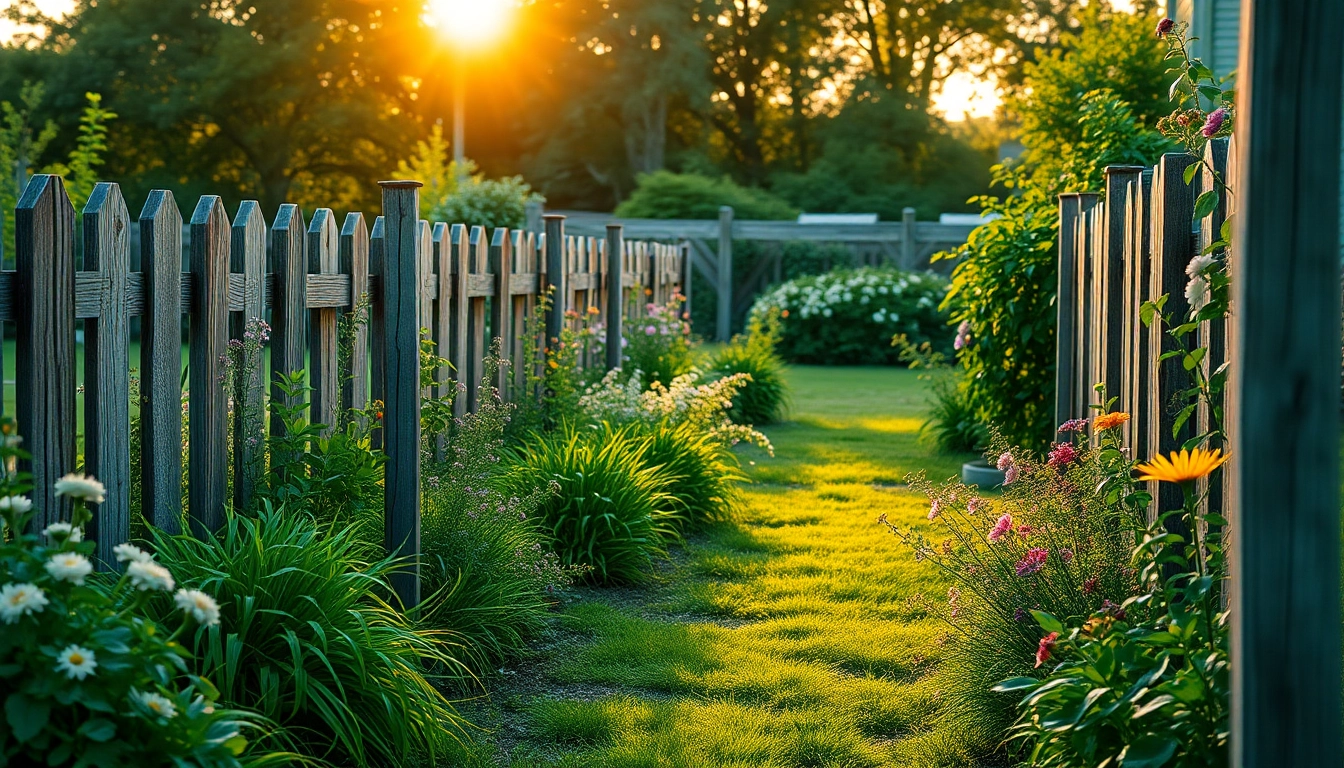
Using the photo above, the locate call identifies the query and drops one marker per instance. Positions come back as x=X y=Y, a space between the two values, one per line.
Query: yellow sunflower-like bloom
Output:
x=1182 y=467
x=1110 y=420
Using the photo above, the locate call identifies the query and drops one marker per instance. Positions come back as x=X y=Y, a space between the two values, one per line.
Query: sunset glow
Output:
x=469 y=24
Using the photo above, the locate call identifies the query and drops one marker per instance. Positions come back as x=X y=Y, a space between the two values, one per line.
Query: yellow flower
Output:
x=1110 y=420
x=1182 y=467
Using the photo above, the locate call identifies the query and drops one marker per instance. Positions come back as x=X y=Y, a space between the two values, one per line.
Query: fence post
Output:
x=501 y=309
x=460 y=254
x=355 y=263
x=907 y=238
x=1066 y=302
x=161 y=362
x=556 y=267
x=323 y=259
x=1214 y=333
x=477 y=342
x=615 y=293
x=207 y=469
x=401 y=284
x=725 y=288
x=687 y=273
x=248 y=256
x=1084 y=349
x=289 y=307
x=45 y=350
x=107 y=418
x=1115 y=311
x=377 y=331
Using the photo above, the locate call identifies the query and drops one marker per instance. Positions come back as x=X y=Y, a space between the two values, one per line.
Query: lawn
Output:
x=792 y=636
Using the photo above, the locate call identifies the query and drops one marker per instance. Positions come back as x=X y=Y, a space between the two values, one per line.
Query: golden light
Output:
x=469 y=24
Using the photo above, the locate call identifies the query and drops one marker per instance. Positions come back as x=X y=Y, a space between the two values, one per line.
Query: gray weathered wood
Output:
x=501 y=306
x=107 y=417
x=1086 y=317
x=724 y=320
x=289 y=307
x=615 y=294
x=401 y=285
x=477 y=340
x=323 y=369
x=378 y=326
x=1114 y=308
x=248 y=260
x=45 y=350
x=208 y=465
x=1213 y=332
x=555 y=277
x=1286 y=709
x=460 y=255
x=161 y=363
x=1066 y=305
x=355 y=263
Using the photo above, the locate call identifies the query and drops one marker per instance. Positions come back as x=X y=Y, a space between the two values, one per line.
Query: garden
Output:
x=446 y=487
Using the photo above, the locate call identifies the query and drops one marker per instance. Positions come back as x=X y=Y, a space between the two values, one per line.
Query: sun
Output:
x=469 y=23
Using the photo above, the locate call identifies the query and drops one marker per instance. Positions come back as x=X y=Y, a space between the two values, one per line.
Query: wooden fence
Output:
x=1117 y=250
x=464 y=287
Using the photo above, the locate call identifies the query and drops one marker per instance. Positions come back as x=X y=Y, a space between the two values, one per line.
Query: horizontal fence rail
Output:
x=1117 y=250
x=465 y=287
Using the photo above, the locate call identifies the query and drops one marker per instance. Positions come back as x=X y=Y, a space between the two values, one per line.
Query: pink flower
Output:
x=1005 y=461
x=1001 y=528
x=973 y=506
x=933 y=510
x=1046 y=646
x=1164 y=28
x=1073 y=425
x=1010 y=476
x=1033 y=561
x=1061 y=454
x=650 y=330
x=1214 y=122
x=1090 y=585
x=1025 y=530
x=963 y=335
x=1066 y=555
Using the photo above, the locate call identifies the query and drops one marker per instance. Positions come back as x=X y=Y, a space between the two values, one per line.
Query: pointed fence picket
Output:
x=465 y=287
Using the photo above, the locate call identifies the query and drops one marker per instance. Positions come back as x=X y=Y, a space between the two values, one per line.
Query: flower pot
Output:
x=981 y=475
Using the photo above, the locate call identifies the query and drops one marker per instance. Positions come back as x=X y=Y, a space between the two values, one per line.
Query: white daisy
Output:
x=69 y=566
x=77 y=663
x=79 y=486
x=57 y=531
x=1200 y=264
x=15 y=504
x=17 y=600
x=201 y=606
x=147 y=574
x=1197 y=292
x=131 y=553
x=156 y=704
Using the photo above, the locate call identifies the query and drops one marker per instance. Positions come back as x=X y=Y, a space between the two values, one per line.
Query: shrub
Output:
x=668 y=195
x=488 y=203
x=306 y=639
x=486 y=560
x=606 y=508
x=847 y=317
x=658 y=343
x=764 y=397
x=90 y=678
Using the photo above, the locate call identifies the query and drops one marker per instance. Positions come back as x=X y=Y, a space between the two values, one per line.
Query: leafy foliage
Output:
x=488 y=203
x=606 y=507
x=703 y=473
x=667 y=195
x=765 y=395
x=658 y=343
x=306 y=638
x=846 y=317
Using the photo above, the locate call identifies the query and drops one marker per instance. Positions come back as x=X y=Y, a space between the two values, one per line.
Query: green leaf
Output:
x=1193 y=359
x=1205 y=203
x=1211 y=92
x=1148 y=751
x=1016 y=684
x=1190 y=171
x=98 y=729
x=26 y=716
x=1048 y=623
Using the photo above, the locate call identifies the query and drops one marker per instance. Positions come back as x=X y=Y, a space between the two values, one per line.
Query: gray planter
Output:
x=981 y=475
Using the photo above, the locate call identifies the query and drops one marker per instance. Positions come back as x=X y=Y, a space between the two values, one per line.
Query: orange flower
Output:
x=785 y=313
x=1110 y=420
x=1182 y=467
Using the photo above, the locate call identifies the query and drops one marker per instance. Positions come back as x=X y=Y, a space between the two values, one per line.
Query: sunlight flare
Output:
x=469 y=24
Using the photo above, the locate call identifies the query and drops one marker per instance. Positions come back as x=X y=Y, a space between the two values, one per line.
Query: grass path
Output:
x=787 y=638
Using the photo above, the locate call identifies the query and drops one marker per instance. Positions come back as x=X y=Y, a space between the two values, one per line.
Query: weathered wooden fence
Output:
x=464 y=287
x=1117 y=250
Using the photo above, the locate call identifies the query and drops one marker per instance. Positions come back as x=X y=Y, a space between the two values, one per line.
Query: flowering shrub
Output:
x=658 y=342
x=91 y=679
x=846 y=317
x=705 y=406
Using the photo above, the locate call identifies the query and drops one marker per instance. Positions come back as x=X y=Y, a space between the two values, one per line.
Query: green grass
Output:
x=790 y=636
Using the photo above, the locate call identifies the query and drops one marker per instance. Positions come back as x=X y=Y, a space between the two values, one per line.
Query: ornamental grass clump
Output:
x=89 y=678
x=1054 y=542
x=764 y=397
x=306 y=637
x=848 y=316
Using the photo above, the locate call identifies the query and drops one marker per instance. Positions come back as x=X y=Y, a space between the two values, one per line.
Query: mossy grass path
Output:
x=792 y=636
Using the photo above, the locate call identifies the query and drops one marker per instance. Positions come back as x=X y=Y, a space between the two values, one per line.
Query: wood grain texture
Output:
x=107 y=385
x=401 y=286
x=724 y=267
x=354 y=256
x=442 y=321
x=323 y=368
x=1140 y=276
x=477 y=334
x=1085 y=318
x=289 y=307
x=207 y=421
x=461 y=265
x=45 y=350
x=161 y=362
x=247 y=257
x=501 y=307
x=377 y=324
x=615 y=293
x=554 y=285
x=1115 y=312
x=1066 y=306
x=1285 y=263
x=1213 y=332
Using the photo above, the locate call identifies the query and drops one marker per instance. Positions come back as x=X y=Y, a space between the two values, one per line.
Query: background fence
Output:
x=1116 y=251
x=464 y=287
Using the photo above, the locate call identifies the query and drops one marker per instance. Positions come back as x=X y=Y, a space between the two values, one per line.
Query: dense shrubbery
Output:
x=847 y=317
x=658 y=343
x=765 y=395
x=668 y=195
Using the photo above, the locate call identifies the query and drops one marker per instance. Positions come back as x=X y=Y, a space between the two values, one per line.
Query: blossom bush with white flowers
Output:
x=89 y=679
x=848 y=316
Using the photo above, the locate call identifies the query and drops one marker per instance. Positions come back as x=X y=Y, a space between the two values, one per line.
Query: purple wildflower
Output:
x=1073 y=425
x=1164 y=27
x=1214 y=122
x=1033 y=561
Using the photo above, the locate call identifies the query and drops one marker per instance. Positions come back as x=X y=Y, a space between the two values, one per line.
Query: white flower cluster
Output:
x=683 y=400
x=879 y=291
